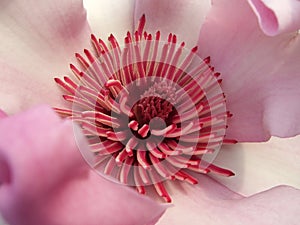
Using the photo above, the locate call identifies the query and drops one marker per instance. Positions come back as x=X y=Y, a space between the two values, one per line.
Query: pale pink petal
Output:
x=212 y=204
x=19 y=90
x=110 y=17
x=183 y=18
x=275 y=16
x=260 y=166
x=38 y=41
x=44 y=179
x=261 y=75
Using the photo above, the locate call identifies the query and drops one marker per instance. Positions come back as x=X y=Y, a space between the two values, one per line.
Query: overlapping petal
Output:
x=213 y=204
x=261 y=166
x=44 y=179
x=183 y=18
x=261 y=76
x=276 y=17
x=38 y=39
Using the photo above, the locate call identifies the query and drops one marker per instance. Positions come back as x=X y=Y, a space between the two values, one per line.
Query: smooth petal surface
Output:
x=20 y=90
x=212 y=204
x=2 y=114
x=39 y=39
x=44 y=179
x=276 y=17
x=110 y=17
x=261 y=166
x=261 y=75
x=183 y=18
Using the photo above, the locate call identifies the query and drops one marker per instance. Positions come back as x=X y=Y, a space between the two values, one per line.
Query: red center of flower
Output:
x=156 y=102
x=151 y=111
x=152 y=107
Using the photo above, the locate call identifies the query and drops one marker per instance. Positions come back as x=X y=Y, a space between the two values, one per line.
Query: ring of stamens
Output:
x=148 y=113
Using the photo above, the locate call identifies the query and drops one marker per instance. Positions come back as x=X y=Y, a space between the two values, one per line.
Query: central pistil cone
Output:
x=152 y=111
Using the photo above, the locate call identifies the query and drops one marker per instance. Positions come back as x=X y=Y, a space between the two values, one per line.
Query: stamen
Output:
x=141 y=157
x=155 y=151
x=143 y=131
x=134 y=125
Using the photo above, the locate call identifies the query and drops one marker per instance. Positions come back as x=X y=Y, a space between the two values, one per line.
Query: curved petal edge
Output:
x=44 y=179
x=277 y=17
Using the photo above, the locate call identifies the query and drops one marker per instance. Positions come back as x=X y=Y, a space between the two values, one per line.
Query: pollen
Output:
x=150 y=109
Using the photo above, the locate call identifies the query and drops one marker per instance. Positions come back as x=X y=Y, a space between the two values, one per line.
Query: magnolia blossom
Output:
x=255 y=47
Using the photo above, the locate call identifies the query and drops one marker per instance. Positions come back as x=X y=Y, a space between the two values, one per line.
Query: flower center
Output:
x=151 y=110
x=151 y=107
x=157 y=101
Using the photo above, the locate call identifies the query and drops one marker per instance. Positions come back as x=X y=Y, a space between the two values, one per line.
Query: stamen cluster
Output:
x=151 y=110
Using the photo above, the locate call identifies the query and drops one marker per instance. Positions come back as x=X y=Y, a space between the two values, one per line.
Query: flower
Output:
x=209 y=35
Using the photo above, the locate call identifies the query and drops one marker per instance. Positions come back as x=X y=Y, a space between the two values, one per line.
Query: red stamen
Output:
x=141 y=25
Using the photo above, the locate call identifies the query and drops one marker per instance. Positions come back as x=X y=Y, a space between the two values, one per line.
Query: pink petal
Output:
x=212 y=204
x=261 y=166
x=260 y=74
x=276 y=17
x=20 y=90
x=44 y=179
x=110 y=17
x=2 y=114
x=39 y=39
x=183 y=18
